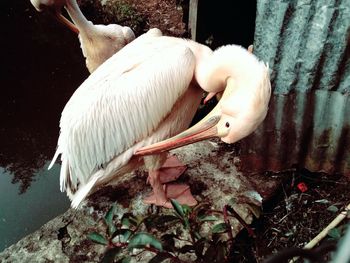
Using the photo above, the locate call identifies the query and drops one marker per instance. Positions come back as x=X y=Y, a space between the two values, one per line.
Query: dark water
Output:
x=41 y=66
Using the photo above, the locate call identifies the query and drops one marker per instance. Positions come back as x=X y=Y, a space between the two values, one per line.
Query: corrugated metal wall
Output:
x=307 y=45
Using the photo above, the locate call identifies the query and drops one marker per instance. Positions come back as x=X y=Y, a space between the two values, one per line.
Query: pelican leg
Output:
x=158 y=197
x=171 y=169
x=163 y=192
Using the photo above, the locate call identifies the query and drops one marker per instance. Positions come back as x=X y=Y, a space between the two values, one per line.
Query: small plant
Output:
x=169 y=236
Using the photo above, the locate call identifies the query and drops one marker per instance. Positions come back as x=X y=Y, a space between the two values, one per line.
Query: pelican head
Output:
x=242 y=108
x=41 y=5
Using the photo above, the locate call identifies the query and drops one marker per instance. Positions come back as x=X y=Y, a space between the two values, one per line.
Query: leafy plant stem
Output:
x=227 y=221
x=192 y=235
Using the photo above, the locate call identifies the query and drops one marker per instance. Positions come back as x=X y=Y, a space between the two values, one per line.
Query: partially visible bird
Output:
x=98 y=42
x=145 y=93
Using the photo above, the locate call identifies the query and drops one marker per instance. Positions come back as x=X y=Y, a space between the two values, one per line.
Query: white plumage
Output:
x=121 y=107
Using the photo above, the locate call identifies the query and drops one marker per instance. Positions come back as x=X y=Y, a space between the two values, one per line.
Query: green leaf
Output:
x=127 y=235
x=97 y=238
x=186 y=223
x=125 y=222
x=334 y=233
x=178 y=208
x=109 y=220
x=219 y=228
x=129 y=219
x=110 y=255
x=111 y=229
x=109 y=215
x=121 y=236
x=187 y=210
x=209 y=218
x=140 y=240
x=333 y=209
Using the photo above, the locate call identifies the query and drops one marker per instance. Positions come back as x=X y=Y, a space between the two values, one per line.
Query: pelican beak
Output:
x=58 y=15
x=204 y=129
x=209 y=97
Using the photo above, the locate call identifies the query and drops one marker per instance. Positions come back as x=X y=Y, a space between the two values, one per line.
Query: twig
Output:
x=314 y=255
x=284 y=217
x=325 y=231
x=268 y=245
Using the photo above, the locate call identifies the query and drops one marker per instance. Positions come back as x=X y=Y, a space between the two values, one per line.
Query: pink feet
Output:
x=180 y=192
x=162 y=191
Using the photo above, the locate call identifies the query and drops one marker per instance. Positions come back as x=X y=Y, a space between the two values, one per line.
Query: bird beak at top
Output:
x=57 y=13
x=54 y=8
x=205 y=129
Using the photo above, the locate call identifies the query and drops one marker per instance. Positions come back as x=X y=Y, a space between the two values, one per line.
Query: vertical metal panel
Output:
x=307 y=45
x=192 y=20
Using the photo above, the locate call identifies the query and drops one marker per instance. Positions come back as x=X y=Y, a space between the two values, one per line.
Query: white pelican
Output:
x=242 y=107
x=145 y=93
x=98 y=42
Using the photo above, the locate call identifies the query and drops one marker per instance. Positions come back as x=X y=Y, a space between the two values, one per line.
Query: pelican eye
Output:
x=227 y=125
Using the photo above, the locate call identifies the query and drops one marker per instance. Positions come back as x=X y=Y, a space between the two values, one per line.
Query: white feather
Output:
x=64 y=175
x=83 y=191
x=57 y=153
x=118 y=107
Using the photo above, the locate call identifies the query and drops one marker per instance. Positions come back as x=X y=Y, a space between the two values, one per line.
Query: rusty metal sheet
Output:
x=307 y=45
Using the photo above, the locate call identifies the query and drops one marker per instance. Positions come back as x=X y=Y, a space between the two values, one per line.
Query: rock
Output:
x=211 y=174
x=60 y=240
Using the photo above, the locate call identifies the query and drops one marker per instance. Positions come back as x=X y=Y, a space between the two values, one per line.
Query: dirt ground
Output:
x=291 y=218
x=167 y=15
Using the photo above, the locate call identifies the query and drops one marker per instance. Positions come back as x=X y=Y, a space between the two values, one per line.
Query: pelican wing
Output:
x=121 y=104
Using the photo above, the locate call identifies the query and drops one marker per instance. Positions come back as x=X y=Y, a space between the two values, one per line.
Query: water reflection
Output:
x=42 y=65
x=20 y=215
